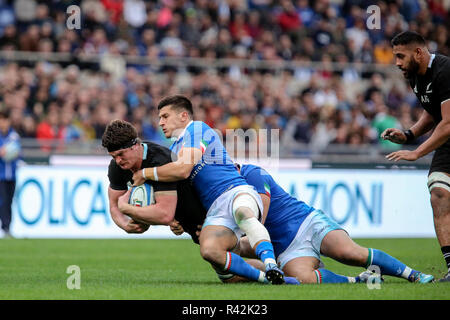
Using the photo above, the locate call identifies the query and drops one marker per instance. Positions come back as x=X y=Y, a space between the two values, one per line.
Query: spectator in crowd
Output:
x=303 y=101
x=9 y=154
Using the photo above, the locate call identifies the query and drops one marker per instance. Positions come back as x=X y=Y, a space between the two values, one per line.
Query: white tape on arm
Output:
x=155 y=174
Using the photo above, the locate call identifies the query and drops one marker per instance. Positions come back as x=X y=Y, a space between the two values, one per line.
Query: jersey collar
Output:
x=145 y=152
x=431 y=60
x=184 y=130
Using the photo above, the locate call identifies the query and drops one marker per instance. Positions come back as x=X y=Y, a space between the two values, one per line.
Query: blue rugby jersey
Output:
x=285 y=214
x=215 y=173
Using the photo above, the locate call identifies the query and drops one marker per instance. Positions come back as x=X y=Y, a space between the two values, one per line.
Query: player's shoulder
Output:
x=157 y=154
x=441 y=64
x=154 y=147
x=199 y=129
x=250 y=169
x=246 y=168
x=113 y=165
x=199 y=123
x=115 y=171
x=196 y=125
x=441 y=59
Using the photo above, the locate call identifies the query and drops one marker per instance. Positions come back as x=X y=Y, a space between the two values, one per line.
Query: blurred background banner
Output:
x=67 y=202
x=366 y=203
x=63 y=201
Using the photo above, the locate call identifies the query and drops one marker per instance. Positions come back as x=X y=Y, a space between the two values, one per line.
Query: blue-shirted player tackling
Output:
x=233 y=206
x=300 y=234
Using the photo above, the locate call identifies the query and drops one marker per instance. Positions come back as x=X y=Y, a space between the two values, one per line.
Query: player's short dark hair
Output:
x=119 y=134
x=177 y=102
x=406 y=38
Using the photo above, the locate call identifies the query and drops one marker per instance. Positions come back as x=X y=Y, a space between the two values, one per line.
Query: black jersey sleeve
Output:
x=164 y=186
x=118 y=178
x=156 y=157
x=190 y=212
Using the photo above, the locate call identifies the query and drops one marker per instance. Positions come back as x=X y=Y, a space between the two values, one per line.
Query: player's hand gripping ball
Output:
x=142 y=195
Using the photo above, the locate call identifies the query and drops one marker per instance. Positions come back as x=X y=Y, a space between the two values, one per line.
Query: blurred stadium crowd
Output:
x=74 y=100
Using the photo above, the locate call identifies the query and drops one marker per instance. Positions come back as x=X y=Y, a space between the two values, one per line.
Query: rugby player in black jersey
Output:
x=429 y=77
x=174 y=200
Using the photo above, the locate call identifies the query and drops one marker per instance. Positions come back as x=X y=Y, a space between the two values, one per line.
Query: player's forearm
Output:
x=155 y=214
x=119 y=218
x=423 y=125
x=170 y=172
x=440 y=135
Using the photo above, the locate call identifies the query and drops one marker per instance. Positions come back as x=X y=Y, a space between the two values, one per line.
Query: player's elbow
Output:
x=447 y=128
x=166 y=218
x=165 y=207
x=167 y=214
x=185 y=171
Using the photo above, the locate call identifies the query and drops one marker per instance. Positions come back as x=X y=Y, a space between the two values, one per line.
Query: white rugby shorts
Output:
x=221 y=211
x=309 y=237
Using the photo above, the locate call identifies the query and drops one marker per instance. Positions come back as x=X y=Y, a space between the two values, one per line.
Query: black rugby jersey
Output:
x=189 y=211
x=432 y=89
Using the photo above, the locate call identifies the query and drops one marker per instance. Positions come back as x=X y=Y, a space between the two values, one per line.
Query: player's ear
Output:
x=419 y=53
x=184 y=115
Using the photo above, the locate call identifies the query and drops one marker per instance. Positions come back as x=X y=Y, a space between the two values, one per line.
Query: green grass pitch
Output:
x=173 y=270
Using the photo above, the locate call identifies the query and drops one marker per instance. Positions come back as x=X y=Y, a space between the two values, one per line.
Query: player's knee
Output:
x=438 y=184
x=440 y=201
x=439 y=195
x=242 y=213
x=244 y=207
x=305 y=276
x=211 y=253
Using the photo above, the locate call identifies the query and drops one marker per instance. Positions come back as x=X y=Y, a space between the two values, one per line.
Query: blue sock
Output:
x=388 y=265
x=236 y=265
x=326 y=276
x=264 y=251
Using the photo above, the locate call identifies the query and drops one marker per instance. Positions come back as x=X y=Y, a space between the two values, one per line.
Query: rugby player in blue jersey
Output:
x=233 y=207
x=300 y=234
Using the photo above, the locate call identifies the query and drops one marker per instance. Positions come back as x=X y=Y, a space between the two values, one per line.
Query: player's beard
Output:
x=412 y=69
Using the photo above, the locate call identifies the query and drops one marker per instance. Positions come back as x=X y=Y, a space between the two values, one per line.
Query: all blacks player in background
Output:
x=429 y=77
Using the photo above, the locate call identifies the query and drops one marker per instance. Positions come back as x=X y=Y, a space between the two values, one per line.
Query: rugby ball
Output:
x=142 y=195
